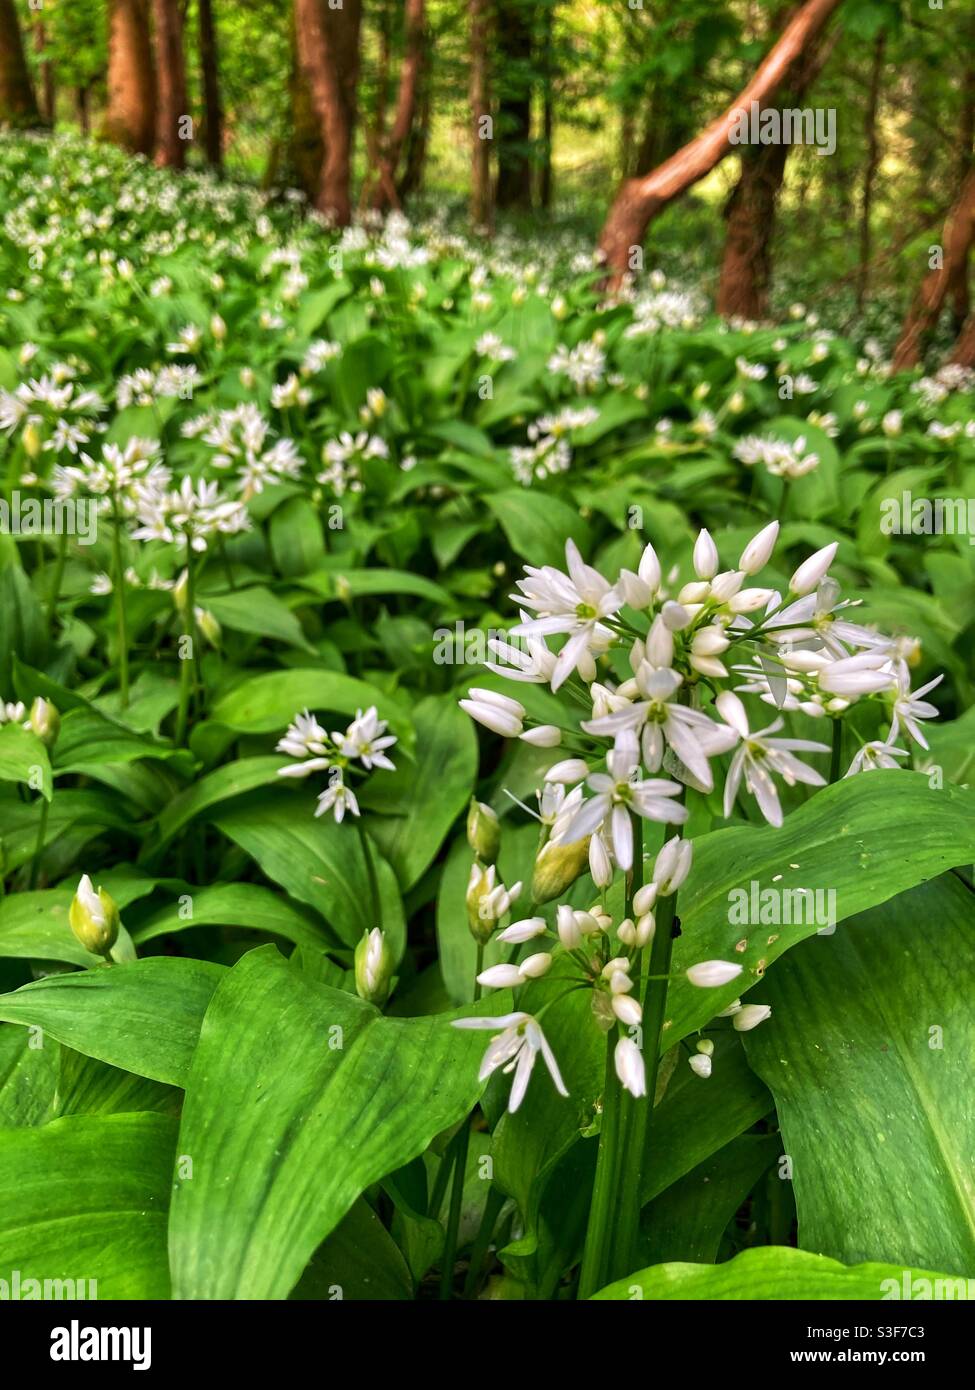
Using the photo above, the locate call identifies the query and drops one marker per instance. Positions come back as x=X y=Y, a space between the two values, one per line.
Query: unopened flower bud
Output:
x=557 y=868
x=483 y=831
x=373 y=967
x=209 y=626
x=94 y=918
x=45 y=721
x=712 y=974
x=750 y=1017
x=700 y=1064
x=705 y=1046
x=31 y=440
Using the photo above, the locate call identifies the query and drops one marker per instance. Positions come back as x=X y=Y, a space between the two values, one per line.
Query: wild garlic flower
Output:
x=361 y=748
x=519 y=1042
x=191 y=514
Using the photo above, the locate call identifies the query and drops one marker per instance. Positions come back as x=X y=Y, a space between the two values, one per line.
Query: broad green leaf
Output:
x=266 y=704
x=360 y=1260
x=233 y=905
x=85 y=1198
x=88 y=738
x=224 y=783
x=28 y=1077
x=24 y=759
x=868 y=1053
x=864 y=839
x=319 y=862
x=143 y=1016
x=419 y=802
x=299 y=1098
x=34 y=926
x=538 y=534
x=88 y=1087
x=345 y=584
x=256 y=610
x=775 y=1273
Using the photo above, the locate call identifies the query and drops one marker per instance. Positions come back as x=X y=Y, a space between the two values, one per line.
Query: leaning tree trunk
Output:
x=212 y=109
x=17 y=104
x=418 y=139
x=130 y=120
x=328 y=47
x=482 y=212
x=922 y=317
x=964 y=353
x=386 y=194
x=172 y=101
x=514 y=37
x=640 y=200
x=746 y=267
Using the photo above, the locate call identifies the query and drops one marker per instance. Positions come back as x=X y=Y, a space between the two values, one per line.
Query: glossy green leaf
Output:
x=86 y=1198
x=299 y=1097
x=869 y=1053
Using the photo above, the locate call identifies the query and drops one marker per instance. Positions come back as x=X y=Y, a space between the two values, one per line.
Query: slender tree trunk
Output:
x=640 y=200
x=482 y=211
x=514 y=38
x=547 y=59
x=171 y=70
x=81 y=110
x=209 y=72
x=17 y=104
x=964 y=353
x=746 y=267
x=387 y=193
x=130 y=120
x=870 y=172
x=418 y=137
x=922 y=317
x=328 y=46
x=48 y=89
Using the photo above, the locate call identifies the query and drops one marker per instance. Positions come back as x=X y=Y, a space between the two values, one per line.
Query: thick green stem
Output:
x=836 y=755
x=460 y=1145
x=123 y=634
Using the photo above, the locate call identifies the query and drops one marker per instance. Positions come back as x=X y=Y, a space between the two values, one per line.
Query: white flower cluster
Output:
x=549 y=451
x=782 y=458
x=315 y=750
x=805 y=656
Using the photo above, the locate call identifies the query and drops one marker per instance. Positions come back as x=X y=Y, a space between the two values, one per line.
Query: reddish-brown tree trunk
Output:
x=514 y=39
x=964 y=353
x=48 y=89
x=306 y=150
x=959 y=233
x=746 y=267
x=387 y=192
x=640 y=200
x=130 y=120
x=482 y=212
x=419 y=136
x=328 y=47
x=209 y=71
x=17 y=104
x=171 y=109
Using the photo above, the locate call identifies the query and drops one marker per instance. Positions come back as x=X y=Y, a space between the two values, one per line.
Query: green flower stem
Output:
x=460 y=1145
x=615 y=1212
x=35 y=864
x=836 y=754
x=187 y=663
x=123 y=636
x=492 y=1209
x=54 y=595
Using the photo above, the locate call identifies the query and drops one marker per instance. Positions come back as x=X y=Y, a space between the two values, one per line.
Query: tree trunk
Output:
x=81 y=109
x=922 y=317
x=482 y=212
x=746 y=267
x=514 y=36
x=212 y=110
x=17 y=104
x=640 y=200
x=964 y=353
x=419 y=135
x=870 y=172
x=328 y=47
x=48 y=90
x=171 y=70
x=130 y=120
x=548 y=106
x=387 y=193
x=305 y=148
